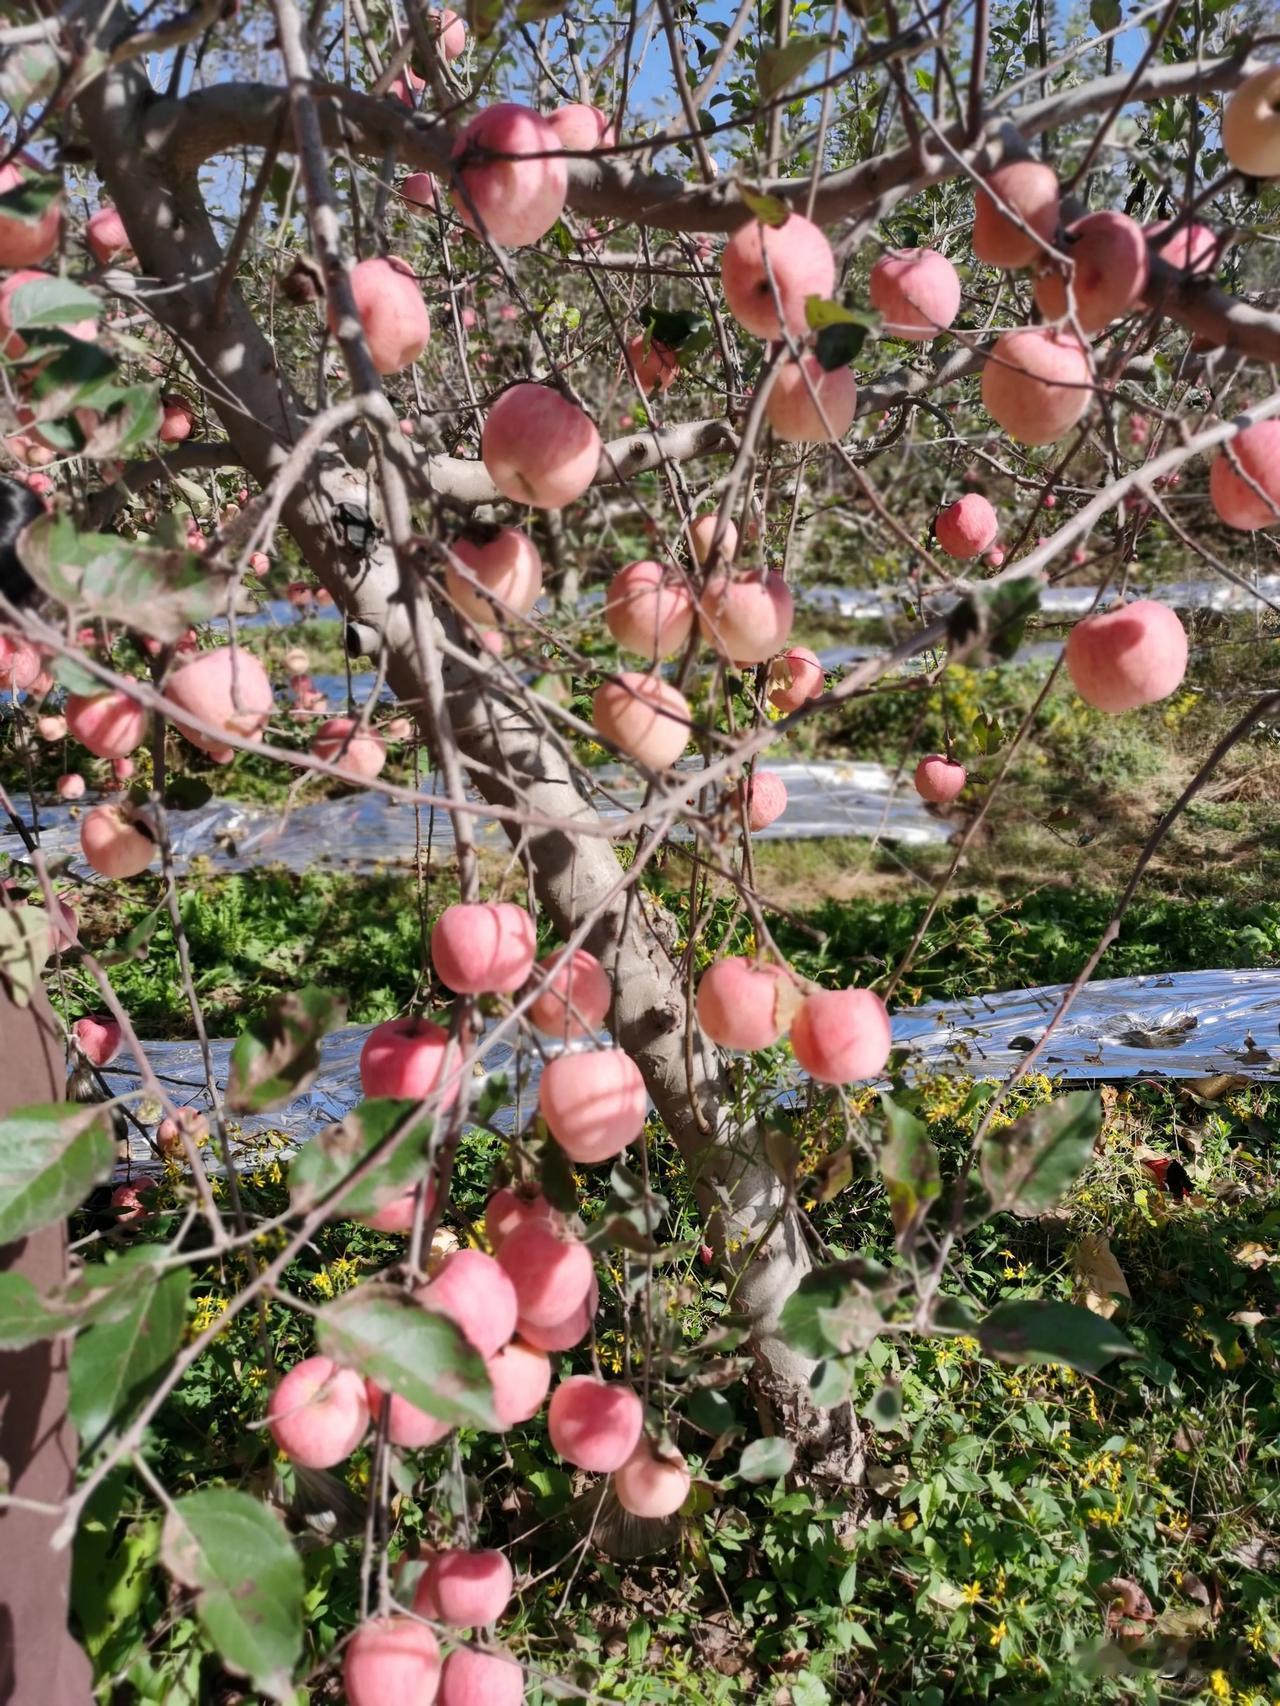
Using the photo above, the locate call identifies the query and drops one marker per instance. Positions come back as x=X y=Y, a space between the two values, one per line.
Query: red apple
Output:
x=318 y=1413
x=917 y=291
x=1127 y=657
x=511 y=177
x=539 y=448
x=594 y=1102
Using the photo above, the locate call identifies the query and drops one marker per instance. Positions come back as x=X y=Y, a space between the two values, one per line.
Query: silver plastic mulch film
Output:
x=1188 y=1025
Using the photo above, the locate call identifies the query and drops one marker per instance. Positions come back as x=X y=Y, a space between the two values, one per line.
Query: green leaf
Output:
x=766 y=1459
x=24 y=948
x=51 y=302
x=768 y=209
x=1105 y=15
x=321 y=1165
x=990 y=622
x=1029 y=1166
x=238 y=1558
x=836 y=346
x=484 y=16
x=821 y=312
x=386 y=1336
x=778 y=66
x=75 y=677
x=29 y=201
x=25 y=1317
x=884 y=1407
x=116 y=1365
x=672 y=327
x=278 y=1056
x=134 y=420
x=160 y=592
x=836 y=1309
x=1038 y=1331
x=80 y=375
x=50 y=1159
x=910 y=1170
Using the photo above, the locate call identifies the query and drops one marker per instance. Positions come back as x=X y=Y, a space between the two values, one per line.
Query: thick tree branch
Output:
x=233 y=115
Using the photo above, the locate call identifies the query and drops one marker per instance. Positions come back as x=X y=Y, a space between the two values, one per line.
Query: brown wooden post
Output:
x=40 y=1663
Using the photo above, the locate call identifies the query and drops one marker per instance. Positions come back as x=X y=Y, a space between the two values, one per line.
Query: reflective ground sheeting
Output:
x=1179 y=1026
x=367 y=831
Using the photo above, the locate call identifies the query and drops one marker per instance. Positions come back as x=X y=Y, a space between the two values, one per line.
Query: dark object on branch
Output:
x=19 y=506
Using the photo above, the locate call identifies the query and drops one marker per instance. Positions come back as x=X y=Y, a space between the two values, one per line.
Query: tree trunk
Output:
x=509 y=760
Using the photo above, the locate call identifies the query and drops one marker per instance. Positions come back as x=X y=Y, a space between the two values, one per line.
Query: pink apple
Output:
x=1251 y=125
x=550 y=1270
x=967 y=527
x=477 y=1295
x=539 y=448
x=465 y=1589
x=409 y=1059
x=71 y=786
x=1109 y=271
x=651 y=1484
x=408 y=1427
x=392 y=313
x=747 y=618
x=594 y=1424
x=745 y=1004
x=510 y=1208
x=520 y=1376
x=406 y=86
x=917 y=291
x=766 y=799
x=26 y=243
x=510 y=175
x=1192 y=248
x=939 y=779
x=649 y=609
x=582 y=129
x=399 y=1214
x=450 y=32
x=1030 y=190
x=1244 y=479
x=594 y=1102
x=357 y=751
x=12 y=343
x=644 y=717
x=1127 y=657
x=318 y=1413
x=795 y=676
x=97 y=1038
x=227 y=689
x=116 y=843
x=1037 y=384
x=841 y=1035
x=575 y=997
x=106 y=236
x=809 y=405
x=483 y=949
x=177 y=420
x=702 y=534
x=391 y=1661
x=767 y=265
x=564 y=1335
x=651 y=364
x=420 y=191
x=51 y=728
x=473 y=1678
x=504 y=564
